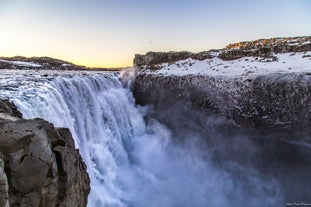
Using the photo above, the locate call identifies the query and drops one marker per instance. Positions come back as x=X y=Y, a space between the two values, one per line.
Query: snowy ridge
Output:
x=246 y=66
x=250 y=58
x=43 y=63
x=261 y=83
x=281 y=41
x=21 y=63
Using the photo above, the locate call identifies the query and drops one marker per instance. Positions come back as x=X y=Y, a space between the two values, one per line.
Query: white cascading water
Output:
x=130 y=163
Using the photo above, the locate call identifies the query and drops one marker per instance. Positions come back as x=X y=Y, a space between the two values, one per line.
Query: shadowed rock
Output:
x=271 y=101
x=42 y=166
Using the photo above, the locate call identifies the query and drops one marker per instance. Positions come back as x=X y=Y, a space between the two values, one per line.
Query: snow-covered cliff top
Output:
x=246 y=66
x=275 y=55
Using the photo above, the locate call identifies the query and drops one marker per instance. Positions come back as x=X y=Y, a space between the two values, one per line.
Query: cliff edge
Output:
x=262 y=83
x=262 y=48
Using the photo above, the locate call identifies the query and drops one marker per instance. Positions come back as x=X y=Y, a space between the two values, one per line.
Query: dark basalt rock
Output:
x=152 y=58
x=271 y=100
x=4 y=186
x=260 y=122
x=303 y=48
x=8 y=107
x=233 y=54
x=42 y=166
x=267 y=101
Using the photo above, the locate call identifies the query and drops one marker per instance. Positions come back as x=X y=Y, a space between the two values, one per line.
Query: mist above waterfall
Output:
x=141 y=156
x=183 y=174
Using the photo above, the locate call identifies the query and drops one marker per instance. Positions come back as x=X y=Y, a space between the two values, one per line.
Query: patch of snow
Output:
x=293 y=44
x=246 y=66
x=65 y=65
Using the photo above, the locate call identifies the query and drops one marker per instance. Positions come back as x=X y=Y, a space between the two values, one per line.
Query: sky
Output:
x=107 y=33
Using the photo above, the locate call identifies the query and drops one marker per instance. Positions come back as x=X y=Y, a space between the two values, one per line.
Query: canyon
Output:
x=227 y=127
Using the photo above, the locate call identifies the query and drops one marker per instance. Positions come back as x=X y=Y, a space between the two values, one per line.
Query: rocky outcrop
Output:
x=264 y=50
x=153 y=58
x=271 y=101
x=42 y=166
x=4 y=186
x=282 y=42
x=8 y=107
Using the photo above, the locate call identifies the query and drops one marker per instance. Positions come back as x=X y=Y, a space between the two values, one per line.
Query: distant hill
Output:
x=43 y=63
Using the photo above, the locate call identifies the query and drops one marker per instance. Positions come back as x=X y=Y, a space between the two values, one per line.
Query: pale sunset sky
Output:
x=102 y=33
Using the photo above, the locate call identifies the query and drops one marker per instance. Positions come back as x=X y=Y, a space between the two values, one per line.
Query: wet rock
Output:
x=8 y=107
x=41 y=163
x=4 y=186
x=270 y=101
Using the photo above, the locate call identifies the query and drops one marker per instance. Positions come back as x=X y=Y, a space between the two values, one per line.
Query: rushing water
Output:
x=131 y=161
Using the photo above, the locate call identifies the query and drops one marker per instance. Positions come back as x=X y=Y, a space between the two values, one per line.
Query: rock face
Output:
x=266 y=99
x=4 y=186
x=153 y=58
x=159 y=57
x=42 y=166
x=266 y=47
x=272 y=100
x=252 y=113
x=7 y=107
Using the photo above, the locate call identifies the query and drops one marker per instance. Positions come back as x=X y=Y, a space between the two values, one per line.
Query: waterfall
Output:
x=132 y=162
x=102 y=118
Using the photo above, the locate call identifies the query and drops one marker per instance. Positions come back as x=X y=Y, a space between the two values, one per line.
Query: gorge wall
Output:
x=248 y=104
x=239 y=131
x=39 y=165
x=269 y=99
x=274 y=100
x=259 y=48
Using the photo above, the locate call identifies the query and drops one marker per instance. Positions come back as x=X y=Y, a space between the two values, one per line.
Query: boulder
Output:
x=8 y=107
x=4 y=186
x=42 y=166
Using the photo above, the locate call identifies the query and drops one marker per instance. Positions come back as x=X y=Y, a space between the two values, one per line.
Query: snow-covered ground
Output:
x=246 y=66
x=21 y=63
